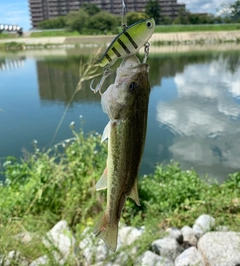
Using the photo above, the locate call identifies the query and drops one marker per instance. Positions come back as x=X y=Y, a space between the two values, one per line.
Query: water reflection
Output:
x=193 y=111
x=205 y=116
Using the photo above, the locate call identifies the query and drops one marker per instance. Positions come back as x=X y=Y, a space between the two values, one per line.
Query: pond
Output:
x=193 y=117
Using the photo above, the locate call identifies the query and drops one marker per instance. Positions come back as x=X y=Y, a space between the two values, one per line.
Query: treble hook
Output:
x=123 y=13
x=106 y=73
x=146 y=50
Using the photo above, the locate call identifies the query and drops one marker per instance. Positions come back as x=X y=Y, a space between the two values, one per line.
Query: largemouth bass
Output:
x=126 y=103
x=128 y=42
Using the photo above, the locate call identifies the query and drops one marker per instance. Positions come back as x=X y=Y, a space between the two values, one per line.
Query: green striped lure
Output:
x=128 y=42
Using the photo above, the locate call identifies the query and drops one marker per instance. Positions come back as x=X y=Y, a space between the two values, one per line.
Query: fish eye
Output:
x=132 y=86
x=149 y=24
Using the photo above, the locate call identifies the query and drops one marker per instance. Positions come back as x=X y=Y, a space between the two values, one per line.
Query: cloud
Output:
x=204 y=6
x=205 y=116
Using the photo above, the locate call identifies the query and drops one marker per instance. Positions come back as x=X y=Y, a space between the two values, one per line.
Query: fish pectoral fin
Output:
x=134 y=193
x=102 y=182
x=107 y=233
x=106 y=131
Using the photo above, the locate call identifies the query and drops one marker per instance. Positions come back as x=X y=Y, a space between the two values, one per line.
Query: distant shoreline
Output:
x=205 y=37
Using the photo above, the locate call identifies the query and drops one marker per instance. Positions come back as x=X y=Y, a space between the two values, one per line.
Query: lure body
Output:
x=128 y=42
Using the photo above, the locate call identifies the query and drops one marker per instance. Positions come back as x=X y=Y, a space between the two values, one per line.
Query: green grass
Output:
x=8 y=36
x=59 y=183
x=54 y=33
x=196 y=28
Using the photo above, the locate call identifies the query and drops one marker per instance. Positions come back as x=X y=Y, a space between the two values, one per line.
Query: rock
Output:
x=166 y=247
x=14 y=257
x=176 y=234
x=151 y=259
x=127 y=235
x=220 y=248
x=25 y=237
x=203 y=224
x=190 y=257
x=92 y=248
x=40 y=261
x=62 y=239
x=189 y=236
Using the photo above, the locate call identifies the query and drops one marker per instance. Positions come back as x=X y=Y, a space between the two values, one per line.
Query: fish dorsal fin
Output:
x=102 y=182
x=134 y=193
x=106 y=131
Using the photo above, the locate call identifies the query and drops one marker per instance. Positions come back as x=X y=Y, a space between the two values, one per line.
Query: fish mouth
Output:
x=132 y=64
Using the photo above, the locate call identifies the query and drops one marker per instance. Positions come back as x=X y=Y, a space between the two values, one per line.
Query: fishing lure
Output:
x=128 y=42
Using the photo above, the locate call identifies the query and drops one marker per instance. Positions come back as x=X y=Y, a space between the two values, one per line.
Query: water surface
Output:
x=193 y=110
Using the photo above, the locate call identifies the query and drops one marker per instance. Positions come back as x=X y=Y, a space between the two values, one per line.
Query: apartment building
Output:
x=46 y=9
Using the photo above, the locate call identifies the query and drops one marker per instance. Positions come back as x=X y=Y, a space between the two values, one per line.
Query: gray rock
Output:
x=190 y=257
x=203 y=224
x=40 y=261
x=127 y=235
x=175 y=233
x=220 y=248
x=92 y=248
x=166 y=247
x=189 y=235
x=61 y=238
x=14 y=257
x=151 y=259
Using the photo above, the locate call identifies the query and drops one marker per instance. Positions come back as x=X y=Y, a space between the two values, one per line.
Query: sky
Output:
x=17 y=11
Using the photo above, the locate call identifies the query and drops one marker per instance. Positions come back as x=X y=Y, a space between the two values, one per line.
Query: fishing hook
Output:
x=106 y=73
x=123 y=13
x=146 y=50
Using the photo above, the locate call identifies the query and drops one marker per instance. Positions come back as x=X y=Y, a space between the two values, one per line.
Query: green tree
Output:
x=54 y=23
x=77 y=20
x=102 y=22
x=183 y=17
x=91 y=9
x=133 y=17
x=153 y=9
x=235 y=10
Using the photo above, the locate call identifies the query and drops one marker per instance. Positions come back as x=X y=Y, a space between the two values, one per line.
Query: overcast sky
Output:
x=17 y=11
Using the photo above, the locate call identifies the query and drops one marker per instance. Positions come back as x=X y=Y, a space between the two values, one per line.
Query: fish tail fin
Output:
x=106 y=232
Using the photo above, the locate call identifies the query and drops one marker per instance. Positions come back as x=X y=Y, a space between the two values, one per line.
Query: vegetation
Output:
x=153 y=9
x=47 y=186
x=54 y=23
x=133 y=17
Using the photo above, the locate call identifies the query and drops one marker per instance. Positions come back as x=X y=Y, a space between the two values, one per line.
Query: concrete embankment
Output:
x=181 y=37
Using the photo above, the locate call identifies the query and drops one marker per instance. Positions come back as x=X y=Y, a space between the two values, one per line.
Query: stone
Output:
x=151 y=259
x=14 y=257
x=189 y=236
x=25 y=237
x=40 y=261
x=127 y=235
x=92 y=248
x=175 y=233
x=62 y=239
x=220 y=248
x=166 y=247
x=189 y=257
x=203 y=224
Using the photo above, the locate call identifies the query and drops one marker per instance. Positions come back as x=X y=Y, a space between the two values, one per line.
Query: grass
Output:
x=196 y=28
x=47 y=186
x=54 y=33
x=8 y=36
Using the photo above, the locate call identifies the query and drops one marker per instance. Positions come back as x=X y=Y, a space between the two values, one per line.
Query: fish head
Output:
x=131 y=85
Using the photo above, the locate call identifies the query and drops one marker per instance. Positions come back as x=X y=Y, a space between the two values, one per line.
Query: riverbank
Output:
x=157 y=39
x=59 y=184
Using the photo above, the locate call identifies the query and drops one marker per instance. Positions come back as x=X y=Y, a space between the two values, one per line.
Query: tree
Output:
x=102 y=22
x=77 y=20
x=235 y=10
x=54 y=23
x=153 y=9
x=133 y=17
x=91 y=9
